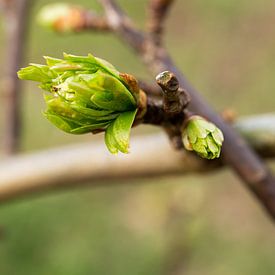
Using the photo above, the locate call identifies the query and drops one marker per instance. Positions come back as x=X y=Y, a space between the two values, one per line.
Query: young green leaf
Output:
x=110 y=140
x=60 y=122
x=121 y=130
x=36 y=72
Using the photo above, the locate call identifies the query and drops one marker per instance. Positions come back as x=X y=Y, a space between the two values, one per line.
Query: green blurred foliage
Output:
x=200 y=224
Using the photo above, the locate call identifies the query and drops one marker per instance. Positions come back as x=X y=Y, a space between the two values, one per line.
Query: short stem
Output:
x=175 y=99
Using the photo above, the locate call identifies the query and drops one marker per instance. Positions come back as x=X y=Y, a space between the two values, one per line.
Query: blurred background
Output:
x=190 y=225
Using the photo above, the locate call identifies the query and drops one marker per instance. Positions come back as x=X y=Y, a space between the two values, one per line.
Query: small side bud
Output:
x=203 y=137
x=61 y=17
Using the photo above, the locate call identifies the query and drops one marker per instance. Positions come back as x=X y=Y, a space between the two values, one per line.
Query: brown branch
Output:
x=151 y=156
x=158 y=10
x=16 y=14
x=175 y=99
x=94 y=22
x=87 y=163
x=122 y=25
x=236 y=152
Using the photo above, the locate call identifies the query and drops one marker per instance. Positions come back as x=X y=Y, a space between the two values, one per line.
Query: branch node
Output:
x=175 y=99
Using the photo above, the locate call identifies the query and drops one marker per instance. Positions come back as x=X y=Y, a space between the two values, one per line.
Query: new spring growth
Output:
x=61 y=17
x=203 y=137
x=87 y=94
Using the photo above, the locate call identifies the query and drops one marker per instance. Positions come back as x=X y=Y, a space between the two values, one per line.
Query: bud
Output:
x=86 y=94
x=61 y=17
x=203 y=137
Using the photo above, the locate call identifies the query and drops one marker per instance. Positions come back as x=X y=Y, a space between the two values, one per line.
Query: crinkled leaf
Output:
x=60 y=107
x=202 y=123
x=88 y=63
x=64 y=76
x=89 y=128
x=63 y=67
x=98 y=83
x=46 y=86
x=101 y=81
x=69 y=125
x=212 y=146
x=51 y=61
x=36 y=72
x=61 y=123
x=218 y=136
x=90 y=59
x=194 y=131
x=93 y=61
x=200 y=147
x=91 y=112
x=94 y=114
x=107 y=66
x=111 y=101
x=79 y=86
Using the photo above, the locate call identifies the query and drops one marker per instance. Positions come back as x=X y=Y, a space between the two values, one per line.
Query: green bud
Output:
x=86 y=94
x=203 y=137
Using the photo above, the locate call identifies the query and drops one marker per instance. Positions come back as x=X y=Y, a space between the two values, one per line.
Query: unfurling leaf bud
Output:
x=61 y=17
x=203 y=137
x=87 y=94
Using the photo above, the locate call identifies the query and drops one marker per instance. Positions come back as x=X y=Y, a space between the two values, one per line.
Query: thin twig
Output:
x=95 y=22
x=78 y=19
x=16 y=14
x=158 y=10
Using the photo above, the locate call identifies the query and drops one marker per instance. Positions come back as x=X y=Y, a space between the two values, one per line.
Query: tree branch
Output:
x=236 y=152
x=78 y=165
x=94 y=22
x=158 y=10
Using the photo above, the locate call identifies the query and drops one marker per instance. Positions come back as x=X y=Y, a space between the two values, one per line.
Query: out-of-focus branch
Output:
x=151 y=89
x=158 y=10
x=151 y=156
x=16 y=16
x=259 y=132
x=123 y=26
x=78 y=19
x=88 y=163
x=95 y=22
